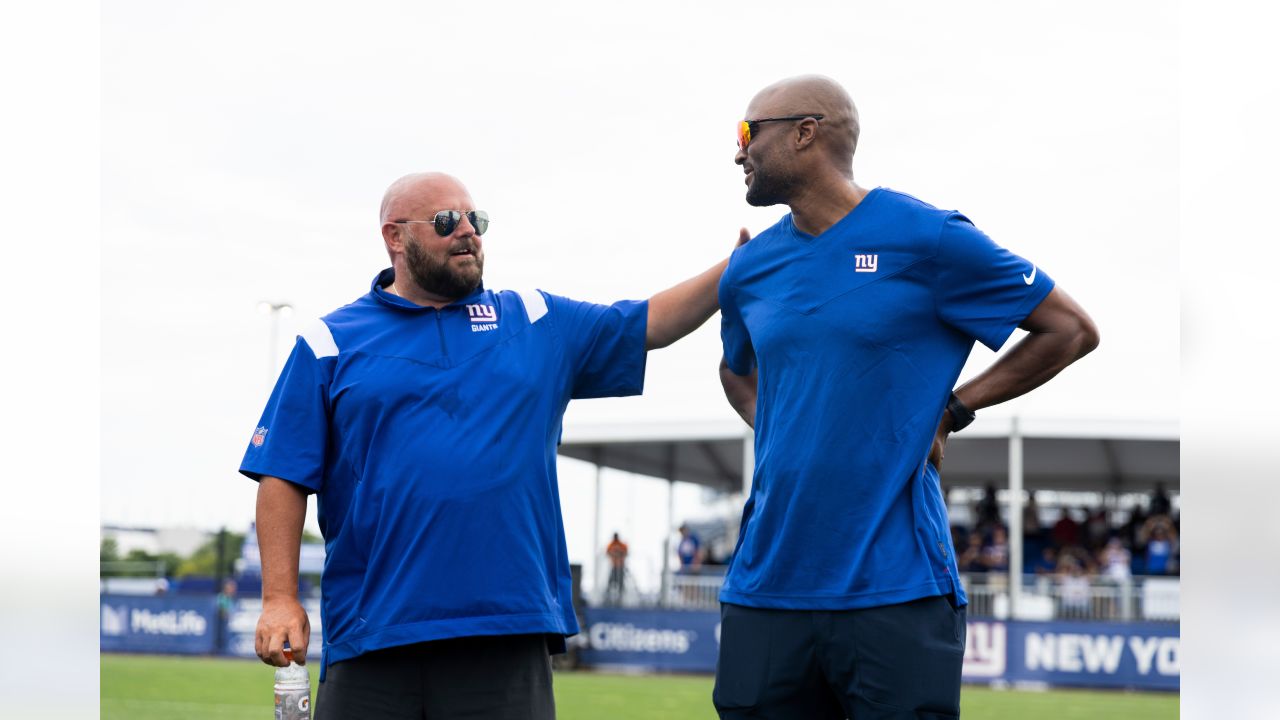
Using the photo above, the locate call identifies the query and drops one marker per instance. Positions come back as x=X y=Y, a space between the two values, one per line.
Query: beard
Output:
x=769 y=188
x=439 y=278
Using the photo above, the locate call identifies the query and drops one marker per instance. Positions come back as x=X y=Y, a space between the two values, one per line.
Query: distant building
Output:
x=180 y=541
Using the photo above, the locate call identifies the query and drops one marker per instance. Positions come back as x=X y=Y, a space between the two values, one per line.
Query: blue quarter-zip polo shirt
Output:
x=429 y=438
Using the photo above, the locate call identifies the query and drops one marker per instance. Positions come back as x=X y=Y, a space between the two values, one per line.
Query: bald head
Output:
x=410 y=193
x=820 y=95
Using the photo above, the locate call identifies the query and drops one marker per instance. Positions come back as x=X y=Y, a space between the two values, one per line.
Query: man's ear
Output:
x=391 y=235
x=806 y=133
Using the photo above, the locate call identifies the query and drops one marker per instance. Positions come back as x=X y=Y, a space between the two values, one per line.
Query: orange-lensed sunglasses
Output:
x=747 y=128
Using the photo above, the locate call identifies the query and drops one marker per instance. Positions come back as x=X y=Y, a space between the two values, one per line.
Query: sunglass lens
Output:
x=446 y=221
x=744 y=134
x=479 y=220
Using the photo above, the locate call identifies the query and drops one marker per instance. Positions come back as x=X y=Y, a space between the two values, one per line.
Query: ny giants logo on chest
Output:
x=866 y=262
x=483 y=317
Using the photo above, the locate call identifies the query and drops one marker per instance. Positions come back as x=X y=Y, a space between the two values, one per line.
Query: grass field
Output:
x=160 y=688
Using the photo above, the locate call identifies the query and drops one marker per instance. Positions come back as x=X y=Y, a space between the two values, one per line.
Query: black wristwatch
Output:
x=961 y=416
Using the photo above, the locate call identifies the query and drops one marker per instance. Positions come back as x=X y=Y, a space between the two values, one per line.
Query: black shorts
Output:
x=895 y=661
x=497 y=677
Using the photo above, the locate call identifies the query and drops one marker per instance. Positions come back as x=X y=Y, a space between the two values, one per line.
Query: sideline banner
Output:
x=162 y=624
x=1140 y=655
x=242 y=623
x=687 y=640
x=1087 y=654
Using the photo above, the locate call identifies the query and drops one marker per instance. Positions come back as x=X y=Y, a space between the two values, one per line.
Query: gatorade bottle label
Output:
x=293 y=705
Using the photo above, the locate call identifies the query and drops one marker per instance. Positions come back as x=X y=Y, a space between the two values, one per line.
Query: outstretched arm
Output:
x=681 y=309
x=1059 y=333
x=282 y=508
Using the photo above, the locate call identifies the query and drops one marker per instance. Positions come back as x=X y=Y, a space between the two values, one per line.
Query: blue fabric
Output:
x=429 y=437
x=859 y=335
x=901 y=661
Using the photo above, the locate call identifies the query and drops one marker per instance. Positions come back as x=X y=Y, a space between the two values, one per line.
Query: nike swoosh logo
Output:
x=1028 y=279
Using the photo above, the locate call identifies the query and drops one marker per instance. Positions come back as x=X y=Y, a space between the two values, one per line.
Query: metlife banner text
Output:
x=163 y=624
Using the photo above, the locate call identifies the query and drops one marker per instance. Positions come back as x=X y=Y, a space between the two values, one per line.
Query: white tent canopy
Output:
x=1104 y=456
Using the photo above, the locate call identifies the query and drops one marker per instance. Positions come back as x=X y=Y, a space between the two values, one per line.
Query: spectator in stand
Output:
x=970 y=559
x=1034 y=537
x=1066 y=532
x=689 y=550
x=995 y=555
x=1131 y=528
x=987 y=510
x=1159 y=504
x=1031 y=527
x=1047 y=563
x=617 y=552
x=1115 y=561
x=1096 y=530
x=1073 y=586
x=1159 y=540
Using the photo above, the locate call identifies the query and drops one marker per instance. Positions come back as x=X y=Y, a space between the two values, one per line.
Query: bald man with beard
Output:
x=425 y=417
x=845 y=327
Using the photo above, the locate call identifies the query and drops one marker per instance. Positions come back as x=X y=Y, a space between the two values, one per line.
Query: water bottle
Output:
x=293 y=691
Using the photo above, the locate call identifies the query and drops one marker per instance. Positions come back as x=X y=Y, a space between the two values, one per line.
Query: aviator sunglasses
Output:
x=446 y=221
x=747 y=128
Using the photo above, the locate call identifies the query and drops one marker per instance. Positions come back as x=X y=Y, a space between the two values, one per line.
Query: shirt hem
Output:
x=443 y=629
x=856 y=601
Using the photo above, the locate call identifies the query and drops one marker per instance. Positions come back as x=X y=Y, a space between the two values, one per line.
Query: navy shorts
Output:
x=894 y=661
x=500 y=677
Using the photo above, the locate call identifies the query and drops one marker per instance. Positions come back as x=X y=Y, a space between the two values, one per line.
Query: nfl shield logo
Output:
x=259 y=436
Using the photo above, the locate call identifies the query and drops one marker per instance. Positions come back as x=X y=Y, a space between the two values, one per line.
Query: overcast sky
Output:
x=246 y=146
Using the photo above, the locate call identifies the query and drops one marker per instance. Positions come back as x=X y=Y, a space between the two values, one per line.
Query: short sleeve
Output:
x=289 y=441
x=739 y=354
x=982 y=289
x=605 y=345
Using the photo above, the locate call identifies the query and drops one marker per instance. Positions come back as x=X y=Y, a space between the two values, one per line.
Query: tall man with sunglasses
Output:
x=845 y=327
x=425 y=417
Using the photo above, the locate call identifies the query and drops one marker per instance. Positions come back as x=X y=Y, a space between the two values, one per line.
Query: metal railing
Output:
x=693 y=592
x=1043 y=597
x=1082 y=598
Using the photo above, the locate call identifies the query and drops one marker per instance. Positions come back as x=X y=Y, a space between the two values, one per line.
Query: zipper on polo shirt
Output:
x=444 y=349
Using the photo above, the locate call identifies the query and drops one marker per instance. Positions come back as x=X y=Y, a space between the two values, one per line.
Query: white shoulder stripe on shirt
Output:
x=319 y=339
x=535 y=306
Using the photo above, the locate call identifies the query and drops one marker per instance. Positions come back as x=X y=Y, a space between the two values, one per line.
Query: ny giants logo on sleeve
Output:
x=259 y=436
x=866 y=262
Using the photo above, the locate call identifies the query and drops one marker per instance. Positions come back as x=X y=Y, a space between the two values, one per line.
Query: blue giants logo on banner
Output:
x=157 y=624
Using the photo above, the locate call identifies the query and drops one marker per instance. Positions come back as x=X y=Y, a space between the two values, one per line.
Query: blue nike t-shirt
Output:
x=429 y=437
x=859 y=335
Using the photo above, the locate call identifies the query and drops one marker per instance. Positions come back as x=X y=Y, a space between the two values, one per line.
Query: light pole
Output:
x=275 y=310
